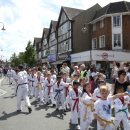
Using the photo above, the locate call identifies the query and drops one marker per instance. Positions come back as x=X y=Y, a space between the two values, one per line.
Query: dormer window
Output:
x=117 y=21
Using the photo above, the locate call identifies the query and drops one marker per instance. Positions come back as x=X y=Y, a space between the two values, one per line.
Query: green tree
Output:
x=30 y=55
x=14 y=60
x=21 y=57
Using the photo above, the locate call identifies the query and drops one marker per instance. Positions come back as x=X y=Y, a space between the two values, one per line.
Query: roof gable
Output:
x=69 y=12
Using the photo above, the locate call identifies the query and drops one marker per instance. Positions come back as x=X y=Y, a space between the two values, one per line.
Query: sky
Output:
x=25 y=19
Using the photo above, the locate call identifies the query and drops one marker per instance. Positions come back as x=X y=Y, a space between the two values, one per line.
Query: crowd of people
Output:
x=83 y=92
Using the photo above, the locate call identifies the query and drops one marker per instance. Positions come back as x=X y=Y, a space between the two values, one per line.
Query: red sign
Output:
x=104 y=55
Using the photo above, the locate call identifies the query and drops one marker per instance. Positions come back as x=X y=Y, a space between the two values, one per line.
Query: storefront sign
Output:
x=51 y=58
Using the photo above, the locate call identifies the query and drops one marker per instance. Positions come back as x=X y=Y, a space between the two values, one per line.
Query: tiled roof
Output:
x=111 y=8
x=46 y=31
x=71 y=12
x=54 y=24
x=89 y=13
x=37 y=40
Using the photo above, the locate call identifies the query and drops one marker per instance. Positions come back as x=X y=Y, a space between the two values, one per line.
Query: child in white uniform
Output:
x=49 y=89
x=103 y=109
x=39 y=87
x=59 y=93
x=121 y=110
x=86 y=108
x=74 y=101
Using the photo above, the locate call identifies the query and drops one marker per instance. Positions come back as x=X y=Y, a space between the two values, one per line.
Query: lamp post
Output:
x=3 y=28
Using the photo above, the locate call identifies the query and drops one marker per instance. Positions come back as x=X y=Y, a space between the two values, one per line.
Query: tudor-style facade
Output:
x=37 y=47
x=44 y=46
x=64 y=33
x=52 y=42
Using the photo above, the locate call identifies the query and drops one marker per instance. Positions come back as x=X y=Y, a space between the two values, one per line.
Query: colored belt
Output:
x=106 y=122
x=57 y=92
x=49 y=89
x=18 y=86
x=123 y=110
x=76 y=101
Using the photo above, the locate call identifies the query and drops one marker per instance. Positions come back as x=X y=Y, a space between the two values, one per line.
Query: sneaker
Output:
x=18 y=111
x=64 y=111
x=78 y=127
x=29 y=109
x=53 y=105
x=57 y=109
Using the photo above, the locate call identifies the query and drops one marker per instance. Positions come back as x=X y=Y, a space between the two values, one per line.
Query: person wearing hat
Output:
x=22 y=89
x=59 y=92
x=74 y=103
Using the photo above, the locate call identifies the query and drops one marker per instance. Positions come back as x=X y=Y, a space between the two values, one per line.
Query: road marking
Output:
x=2 y=92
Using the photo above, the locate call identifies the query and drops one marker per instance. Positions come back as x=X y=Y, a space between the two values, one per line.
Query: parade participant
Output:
x=32 y=82
x=29 y=72
x=22 y=89
x=49 y=87
x=121 y=110
x=39 y=87
x=59 y=92
x=66 y=79
x=53 y=75
x=11 y=74
x=74 y=103
x=86 y=108
x=103 y=109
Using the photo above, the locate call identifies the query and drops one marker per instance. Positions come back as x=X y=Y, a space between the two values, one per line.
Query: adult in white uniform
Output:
x=22 y=89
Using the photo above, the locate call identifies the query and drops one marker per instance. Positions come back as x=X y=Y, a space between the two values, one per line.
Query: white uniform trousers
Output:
x=122 y=116
x=38 y=93
x=22 y=92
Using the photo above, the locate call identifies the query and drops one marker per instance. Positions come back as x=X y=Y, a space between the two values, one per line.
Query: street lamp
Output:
x=84 y=28
x=3 y=28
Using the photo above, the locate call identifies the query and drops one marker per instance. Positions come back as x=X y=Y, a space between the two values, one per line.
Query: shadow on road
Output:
x=9 y=97
x=58 y=114
x=8 y=115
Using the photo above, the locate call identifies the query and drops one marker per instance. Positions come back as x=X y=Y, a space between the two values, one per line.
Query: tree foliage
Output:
x=27 y=57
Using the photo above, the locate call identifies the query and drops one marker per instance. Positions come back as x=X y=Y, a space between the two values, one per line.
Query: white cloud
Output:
x=25 y=19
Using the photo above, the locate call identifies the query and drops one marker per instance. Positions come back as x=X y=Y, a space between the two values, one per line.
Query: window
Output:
x=101 y=23
x=94 y=43
x=117 y=40
x=102 y=41
x=116 y=21
x=94 y=27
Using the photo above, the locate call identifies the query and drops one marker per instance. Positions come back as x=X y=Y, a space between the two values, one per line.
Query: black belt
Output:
x=18 y=86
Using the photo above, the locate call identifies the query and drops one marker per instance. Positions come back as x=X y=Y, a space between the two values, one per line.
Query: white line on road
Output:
x=2 y=92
